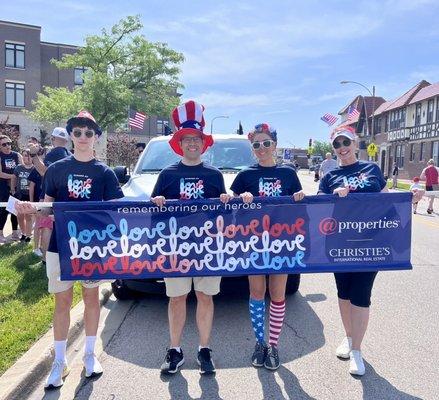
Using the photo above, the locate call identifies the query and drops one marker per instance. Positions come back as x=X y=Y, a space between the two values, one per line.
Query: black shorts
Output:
x=355 y=287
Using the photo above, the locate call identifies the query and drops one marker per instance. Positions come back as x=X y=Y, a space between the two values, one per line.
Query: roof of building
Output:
x=426 y=93
x=369 y=102
x=383 y=107
x=11 y=23
x=407 y=97
x=70 y=46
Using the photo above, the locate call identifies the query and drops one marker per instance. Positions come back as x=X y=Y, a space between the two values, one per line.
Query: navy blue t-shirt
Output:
x=179 y=181
x=73 y=180
x=267 y=181
x=56 y=154
x=37 y=179
x=8 y=162
x=360 y=177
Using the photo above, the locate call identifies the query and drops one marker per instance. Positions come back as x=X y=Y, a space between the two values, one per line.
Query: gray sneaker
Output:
x=272 y=360
x=258 y=357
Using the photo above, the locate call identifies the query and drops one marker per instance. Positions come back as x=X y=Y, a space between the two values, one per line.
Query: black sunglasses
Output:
x=6 y=144
x=266 y=143
x=77 y=133
x=346 y=143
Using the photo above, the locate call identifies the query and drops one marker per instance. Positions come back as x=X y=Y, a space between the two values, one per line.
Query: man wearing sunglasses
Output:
x=188 y=179
x=8 y=161
x=60 y=138
x=78 y=177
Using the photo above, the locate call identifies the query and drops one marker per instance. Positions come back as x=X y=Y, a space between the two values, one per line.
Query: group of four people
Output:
x=189 y=141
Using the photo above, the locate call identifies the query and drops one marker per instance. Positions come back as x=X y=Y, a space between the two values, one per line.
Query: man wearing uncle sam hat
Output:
x=78 y=177
x=188 y=179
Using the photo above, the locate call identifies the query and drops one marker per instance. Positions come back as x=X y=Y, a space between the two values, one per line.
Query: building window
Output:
x=14 y=93
x=161 y=123
x=437 y=108
x=435 y=152
x=421 y=151
x=402 y=119
x=14 y=55
x=430 y=110
x=79 y=71
x=418 y=114
x=412 y=152
x=378 y=125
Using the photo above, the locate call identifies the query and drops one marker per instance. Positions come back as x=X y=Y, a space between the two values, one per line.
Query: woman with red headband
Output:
x=266 y=179
x=354 y=288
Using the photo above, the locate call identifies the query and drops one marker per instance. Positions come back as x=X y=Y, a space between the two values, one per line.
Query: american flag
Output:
x=352 y=113
x=136 y=119
x=329 y=119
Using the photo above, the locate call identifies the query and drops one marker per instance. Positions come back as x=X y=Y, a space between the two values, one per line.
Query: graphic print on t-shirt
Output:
x=79 y=186
x=191 y=188
x=356 y=182
x=10 y=163
x=270 y=187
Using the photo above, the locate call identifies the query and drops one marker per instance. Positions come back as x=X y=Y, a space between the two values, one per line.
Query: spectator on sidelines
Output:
x=430 y=175
x=414 y=187
x=395 y=172
x=8 y=161
x=187 y=179
x=64 y=182
x=43 y=224
x=327 y=165
x=20 y=190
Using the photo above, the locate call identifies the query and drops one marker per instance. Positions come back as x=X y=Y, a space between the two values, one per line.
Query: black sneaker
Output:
x=23 y=238
x=173 y=361
x=205 y=361
x=259 y=355
x=27 y=239
x=272 y=360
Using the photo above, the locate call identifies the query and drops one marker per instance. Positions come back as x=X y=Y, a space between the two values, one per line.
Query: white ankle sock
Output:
x=90 y=342
x=60 y=349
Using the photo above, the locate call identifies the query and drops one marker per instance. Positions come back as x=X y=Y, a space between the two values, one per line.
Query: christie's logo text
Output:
x=328 y=226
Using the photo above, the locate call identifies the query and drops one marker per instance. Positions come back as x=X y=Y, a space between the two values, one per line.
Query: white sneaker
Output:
x=92 y=365
x=344 y=348
x=38 y=252
x=57 y=374
x=15 y=236
x=356 y=365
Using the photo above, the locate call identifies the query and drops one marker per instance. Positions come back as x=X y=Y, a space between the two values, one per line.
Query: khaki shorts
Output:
x=209 y=285
x=53 y=270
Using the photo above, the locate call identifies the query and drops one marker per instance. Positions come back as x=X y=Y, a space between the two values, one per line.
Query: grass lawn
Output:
x=401 y=185
x=26 y=307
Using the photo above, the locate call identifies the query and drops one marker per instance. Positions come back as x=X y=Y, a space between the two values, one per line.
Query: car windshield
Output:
x=231 y=154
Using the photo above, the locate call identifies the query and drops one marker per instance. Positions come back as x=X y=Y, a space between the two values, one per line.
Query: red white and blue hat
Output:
x=263 y=128
x=188 y=119
x=345 y=131
x=84 y=118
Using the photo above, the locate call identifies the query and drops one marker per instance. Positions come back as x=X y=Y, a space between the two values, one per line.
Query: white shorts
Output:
x=53 y=270
x=209 y=285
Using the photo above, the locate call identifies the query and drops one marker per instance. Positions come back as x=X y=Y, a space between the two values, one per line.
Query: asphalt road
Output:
x=401 y=346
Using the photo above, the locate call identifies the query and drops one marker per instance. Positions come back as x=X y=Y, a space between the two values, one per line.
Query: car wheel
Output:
x=293 y=283
x=121 y=291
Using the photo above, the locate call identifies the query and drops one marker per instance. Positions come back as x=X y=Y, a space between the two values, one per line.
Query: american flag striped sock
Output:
x=277 y=314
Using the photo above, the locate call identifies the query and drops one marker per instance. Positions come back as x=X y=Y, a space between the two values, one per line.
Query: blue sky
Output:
x=278 y=62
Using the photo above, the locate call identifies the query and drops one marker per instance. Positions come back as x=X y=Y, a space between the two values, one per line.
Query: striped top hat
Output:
x=188 y=119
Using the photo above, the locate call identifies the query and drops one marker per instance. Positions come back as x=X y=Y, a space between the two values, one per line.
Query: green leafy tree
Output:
x=321 y=148
x=123 y=69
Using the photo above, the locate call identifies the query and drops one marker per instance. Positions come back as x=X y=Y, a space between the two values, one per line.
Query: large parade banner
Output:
x=126 y=240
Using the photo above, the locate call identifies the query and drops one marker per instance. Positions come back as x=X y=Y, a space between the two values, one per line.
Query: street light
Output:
x=214 y=118
x=372 y=93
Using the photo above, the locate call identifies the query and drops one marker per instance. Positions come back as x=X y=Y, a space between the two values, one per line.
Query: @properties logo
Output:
x=328 y=226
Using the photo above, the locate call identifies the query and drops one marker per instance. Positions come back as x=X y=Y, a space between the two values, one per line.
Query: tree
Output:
x=321 y=148
x=122 y=69
x=121 y=150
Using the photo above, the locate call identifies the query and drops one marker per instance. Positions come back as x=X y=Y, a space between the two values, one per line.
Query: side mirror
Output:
x=121 y=174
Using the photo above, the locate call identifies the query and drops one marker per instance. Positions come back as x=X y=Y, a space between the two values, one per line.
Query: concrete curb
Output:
x=20 y=380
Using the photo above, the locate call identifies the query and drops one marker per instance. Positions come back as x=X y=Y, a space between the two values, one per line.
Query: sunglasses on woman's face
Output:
x=266 y=143
x=345 y=142
x=6 y=144
x=88 y=133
